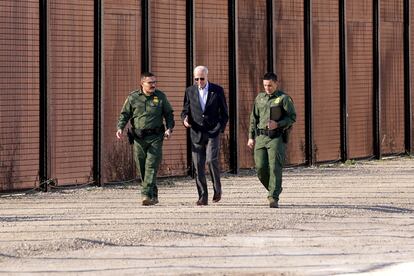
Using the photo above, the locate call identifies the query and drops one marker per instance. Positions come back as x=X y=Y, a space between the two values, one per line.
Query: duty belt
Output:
x=271 y=133
x=150 y=131
x=141 y=133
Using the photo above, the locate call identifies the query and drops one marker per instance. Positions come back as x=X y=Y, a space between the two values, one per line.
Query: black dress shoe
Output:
x=273 y=203
x=217 y=197
x=202 y=201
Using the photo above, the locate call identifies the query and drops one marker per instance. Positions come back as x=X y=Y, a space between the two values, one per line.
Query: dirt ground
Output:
x=355 y=218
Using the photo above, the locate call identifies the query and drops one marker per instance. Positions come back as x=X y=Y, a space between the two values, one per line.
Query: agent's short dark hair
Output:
x=146 y=75
x=270 y=76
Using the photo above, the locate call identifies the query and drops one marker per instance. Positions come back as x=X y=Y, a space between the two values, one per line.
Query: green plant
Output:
x=350 y=162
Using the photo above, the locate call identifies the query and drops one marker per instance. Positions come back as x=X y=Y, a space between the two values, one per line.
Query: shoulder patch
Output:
x=289 y=99
x=279 y=99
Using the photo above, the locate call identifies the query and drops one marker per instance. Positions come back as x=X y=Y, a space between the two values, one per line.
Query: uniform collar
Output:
x=140 y=92
x=276 y=93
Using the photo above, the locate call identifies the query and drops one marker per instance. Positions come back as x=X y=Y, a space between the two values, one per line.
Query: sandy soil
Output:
x=338 y=219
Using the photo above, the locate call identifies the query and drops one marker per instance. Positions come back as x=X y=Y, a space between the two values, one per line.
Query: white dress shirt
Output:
x=202 y=95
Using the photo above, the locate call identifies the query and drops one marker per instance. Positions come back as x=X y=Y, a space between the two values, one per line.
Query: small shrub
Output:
x=119 y=162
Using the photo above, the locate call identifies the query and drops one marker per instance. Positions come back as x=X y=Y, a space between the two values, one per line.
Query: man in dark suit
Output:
x=205 y=113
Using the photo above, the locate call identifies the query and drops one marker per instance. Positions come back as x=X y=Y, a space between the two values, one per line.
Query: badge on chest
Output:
x=155 y=101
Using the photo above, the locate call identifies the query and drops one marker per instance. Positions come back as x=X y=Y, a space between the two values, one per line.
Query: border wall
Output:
x=67 y=66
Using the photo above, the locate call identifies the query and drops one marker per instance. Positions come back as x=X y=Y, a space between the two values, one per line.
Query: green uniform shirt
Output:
x=261 y=111
x=146 y=112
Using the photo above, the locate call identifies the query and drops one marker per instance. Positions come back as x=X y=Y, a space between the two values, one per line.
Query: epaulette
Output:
x=134 y=91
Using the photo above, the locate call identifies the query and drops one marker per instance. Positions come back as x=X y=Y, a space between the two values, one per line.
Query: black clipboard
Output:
x=275 y=113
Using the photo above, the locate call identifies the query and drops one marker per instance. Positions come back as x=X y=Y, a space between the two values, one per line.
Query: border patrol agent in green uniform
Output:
x=146 y=108
x=272 y=115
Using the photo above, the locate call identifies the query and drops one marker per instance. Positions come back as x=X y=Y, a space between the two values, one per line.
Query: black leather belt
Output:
x=151 y=131
x=263 y=132
x=271 y=133
x=141 y=133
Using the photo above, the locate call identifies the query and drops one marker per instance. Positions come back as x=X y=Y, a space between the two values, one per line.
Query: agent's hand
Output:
x=272 y=124
x=167 y=133
x=185 y=122
x=119 y=133
x=250 y=143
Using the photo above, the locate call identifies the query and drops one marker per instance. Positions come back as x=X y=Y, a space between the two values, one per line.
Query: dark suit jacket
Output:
x=215 y=116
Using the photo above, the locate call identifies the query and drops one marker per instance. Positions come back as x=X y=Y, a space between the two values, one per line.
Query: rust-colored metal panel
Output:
x=359 y=78
x=168 y=62
x=19 y=90
x=289 y=44
x=392 y=77
x=122 y=63
x=325 y=82
x=252 y=64
x=70 y=90
x=212 y=50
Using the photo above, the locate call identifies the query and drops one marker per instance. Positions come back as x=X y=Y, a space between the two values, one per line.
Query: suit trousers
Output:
x=207 y=151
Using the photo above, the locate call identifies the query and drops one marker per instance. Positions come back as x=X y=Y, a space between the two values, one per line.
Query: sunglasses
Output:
x=196 y=79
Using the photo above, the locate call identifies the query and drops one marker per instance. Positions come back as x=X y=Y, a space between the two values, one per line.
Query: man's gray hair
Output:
x=201 y=68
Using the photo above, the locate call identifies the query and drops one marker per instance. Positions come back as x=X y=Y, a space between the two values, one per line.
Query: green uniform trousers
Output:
x=148 y=155
x=269 y=157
